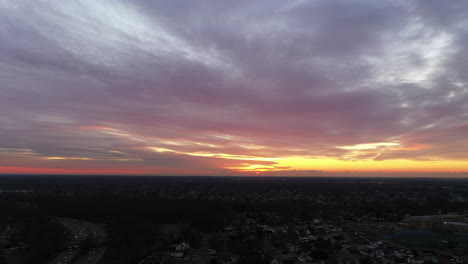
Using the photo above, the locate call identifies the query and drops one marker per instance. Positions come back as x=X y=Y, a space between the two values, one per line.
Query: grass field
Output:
x=434 y=241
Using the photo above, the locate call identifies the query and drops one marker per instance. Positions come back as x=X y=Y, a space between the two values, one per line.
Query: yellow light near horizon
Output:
x=68 y=158
x=253 y=167
x=369 y=146
x=395 y=165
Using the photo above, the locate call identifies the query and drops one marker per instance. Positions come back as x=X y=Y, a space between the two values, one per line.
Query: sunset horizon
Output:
x=229 y=132
x=319 y=88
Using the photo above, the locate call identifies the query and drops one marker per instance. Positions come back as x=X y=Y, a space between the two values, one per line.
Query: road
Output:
x=98 y=233
x=65 y=257
x=201 y=255
x=81 y=230
x=92 y=257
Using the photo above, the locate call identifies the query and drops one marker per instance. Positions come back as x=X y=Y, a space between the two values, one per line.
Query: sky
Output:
x=268 y=87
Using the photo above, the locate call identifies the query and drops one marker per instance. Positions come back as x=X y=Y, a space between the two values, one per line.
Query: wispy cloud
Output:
x=102 y=84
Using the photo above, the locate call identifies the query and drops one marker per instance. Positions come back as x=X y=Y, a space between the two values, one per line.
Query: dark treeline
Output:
x=134 y=208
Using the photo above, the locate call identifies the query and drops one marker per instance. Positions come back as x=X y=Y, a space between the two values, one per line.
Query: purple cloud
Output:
x=211 y=85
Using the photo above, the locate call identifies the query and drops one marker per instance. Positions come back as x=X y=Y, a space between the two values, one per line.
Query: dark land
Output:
x=129 y=219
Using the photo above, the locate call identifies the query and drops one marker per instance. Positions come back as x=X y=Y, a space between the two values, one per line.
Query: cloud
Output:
x=106 y=80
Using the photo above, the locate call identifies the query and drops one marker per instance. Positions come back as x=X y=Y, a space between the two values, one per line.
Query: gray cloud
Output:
x=107 y=79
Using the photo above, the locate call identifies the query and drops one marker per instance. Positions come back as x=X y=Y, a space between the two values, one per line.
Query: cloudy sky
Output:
x=234 y=87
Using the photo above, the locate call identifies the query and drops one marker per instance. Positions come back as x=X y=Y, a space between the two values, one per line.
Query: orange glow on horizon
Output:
x=394 y=165
x=336 y=165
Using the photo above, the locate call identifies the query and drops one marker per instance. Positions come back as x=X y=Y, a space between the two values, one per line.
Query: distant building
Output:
x=180 y=250
x=454 y=226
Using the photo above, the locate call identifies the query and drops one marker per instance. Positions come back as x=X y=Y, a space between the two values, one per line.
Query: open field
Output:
x=434 y=240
